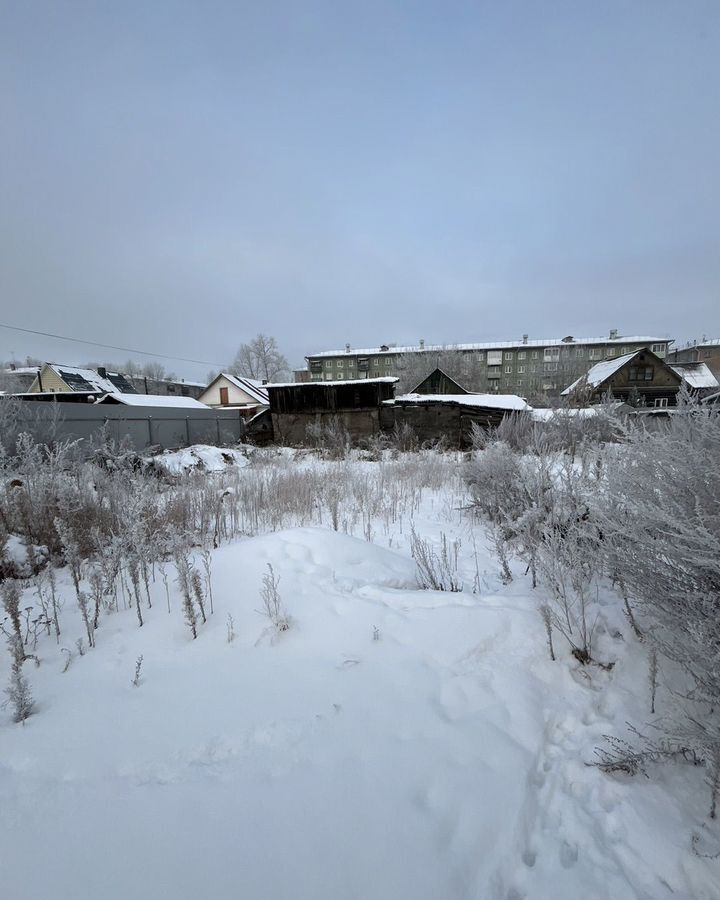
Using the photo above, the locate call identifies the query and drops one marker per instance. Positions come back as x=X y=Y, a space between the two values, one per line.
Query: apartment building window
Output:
x=328 y=376
x=659 y=349
x=580 y=352
x=351 y=364
x=534 y=354
x=551 y=354
x=661 y=402
x=640 y=373
x=551 y=366
x=522 y=354
x=364 y=363
x=611 y=351
x=388 y=362
x=328 y=364
x=376 y=363
x=508 y=370
x=339 y=364
x=481 y=354
x=521 y=369
x=508 y=354
x=595 y=353
x=316 y=365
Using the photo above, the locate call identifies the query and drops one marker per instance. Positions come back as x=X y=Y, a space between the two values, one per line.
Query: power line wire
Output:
x=60 y=337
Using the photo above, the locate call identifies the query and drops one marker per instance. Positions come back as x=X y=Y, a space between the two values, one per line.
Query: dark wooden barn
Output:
x=356 y=404
x=449 y=417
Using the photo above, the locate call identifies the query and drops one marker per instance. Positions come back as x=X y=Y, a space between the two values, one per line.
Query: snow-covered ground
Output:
x=394 y=743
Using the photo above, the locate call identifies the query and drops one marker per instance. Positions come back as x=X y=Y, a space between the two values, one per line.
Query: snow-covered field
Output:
x=393 y=743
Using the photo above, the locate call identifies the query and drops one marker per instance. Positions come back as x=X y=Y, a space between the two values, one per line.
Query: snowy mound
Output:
x=199 y=456
x=317 y=553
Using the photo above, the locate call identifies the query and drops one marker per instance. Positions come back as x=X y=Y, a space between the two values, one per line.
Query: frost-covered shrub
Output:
x=663 y=525
x=273 y=606
x=329 y=435
x=437 y=567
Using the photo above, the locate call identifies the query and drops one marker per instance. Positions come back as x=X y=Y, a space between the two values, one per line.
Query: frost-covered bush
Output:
x=437 y=566
x=663 y=525
x=329 y=435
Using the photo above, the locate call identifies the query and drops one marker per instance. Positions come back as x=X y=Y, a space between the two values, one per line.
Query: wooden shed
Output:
x=449 y=416
x=356 y=404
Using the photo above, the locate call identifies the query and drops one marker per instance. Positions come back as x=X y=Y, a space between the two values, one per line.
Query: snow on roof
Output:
x=696 y=375
x=705 y=342
x=644 y=340
x=386 y=379
x=21 y=370
x=83 y=379
x=492 y=401
x=255 y=389
x=599 y=372
x=151 y=400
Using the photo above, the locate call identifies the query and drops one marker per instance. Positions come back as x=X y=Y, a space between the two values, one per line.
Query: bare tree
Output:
x=261 y=358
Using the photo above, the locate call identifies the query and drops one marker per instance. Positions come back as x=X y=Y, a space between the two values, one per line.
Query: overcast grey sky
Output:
x=179 y=176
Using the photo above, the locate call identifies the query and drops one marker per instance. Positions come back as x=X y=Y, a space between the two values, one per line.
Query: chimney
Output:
x=525 y=339
x=347 y=348
x=102 y=371
x=613 y=334
x=422 y=343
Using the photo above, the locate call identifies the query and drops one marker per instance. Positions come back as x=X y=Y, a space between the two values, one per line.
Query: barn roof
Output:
x=488 y=401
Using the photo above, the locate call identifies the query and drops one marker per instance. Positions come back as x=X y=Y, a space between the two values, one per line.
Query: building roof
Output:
x=705 y=342
x=79 y=379
x=696 y=375
x=488 y=401
x=497 y=345
x=386 y=379
x=152 y=400
x=440 y=375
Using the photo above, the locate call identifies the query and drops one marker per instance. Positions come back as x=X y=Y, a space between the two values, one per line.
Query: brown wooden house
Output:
x=638 y=379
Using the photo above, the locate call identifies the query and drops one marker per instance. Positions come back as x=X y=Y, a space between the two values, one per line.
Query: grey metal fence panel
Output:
x=138 y=426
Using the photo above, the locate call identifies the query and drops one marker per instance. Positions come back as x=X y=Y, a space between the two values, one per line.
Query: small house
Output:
x=233 y=392
x=640 y=379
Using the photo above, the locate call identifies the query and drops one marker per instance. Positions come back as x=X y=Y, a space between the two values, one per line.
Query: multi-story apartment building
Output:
x=523 y=367
x=706 y=350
